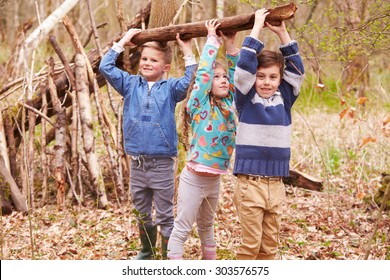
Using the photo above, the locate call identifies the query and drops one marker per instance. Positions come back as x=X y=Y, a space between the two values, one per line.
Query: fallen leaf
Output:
x=362 y=100
x=343 y=113
x=366 y=141
x=360 y=195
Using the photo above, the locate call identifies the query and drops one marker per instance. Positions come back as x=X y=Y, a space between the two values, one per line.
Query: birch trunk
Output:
x=3 y=145
x=45 y=27
x=59 y=147
x=220 y=8
x=96 y=177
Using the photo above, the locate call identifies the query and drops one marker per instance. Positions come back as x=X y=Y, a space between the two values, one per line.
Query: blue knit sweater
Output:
x=264 y=130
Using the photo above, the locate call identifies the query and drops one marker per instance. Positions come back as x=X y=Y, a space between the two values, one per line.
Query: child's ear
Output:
x=167 y=67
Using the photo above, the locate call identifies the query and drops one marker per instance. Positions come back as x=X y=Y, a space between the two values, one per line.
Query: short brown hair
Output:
x=268 y=58
x=160 y=46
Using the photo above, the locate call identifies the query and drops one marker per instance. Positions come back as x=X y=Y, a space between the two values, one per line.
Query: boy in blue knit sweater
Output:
x=267 y=85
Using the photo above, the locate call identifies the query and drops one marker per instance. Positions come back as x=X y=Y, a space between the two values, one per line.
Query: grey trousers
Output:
x=152 y=184
x=197 y=201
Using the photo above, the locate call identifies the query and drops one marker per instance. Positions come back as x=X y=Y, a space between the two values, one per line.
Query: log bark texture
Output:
x=303 y=180
x=228 y=25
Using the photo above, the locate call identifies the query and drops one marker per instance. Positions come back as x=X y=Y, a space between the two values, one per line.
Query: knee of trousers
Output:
x=180 y=234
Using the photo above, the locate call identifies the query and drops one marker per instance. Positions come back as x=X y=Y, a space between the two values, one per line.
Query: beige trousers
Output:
x=259 y=204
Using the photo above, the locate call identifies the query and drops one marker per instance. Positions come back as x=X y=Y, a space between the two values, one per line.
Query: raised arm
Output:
x=294 y=70
x=107 y=66
x=245 y=75
x=232 y=55
x=205 y=73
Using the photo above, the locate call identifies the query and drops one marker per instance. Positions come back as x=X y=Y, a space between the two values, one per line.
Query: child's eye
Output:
x=217 y=77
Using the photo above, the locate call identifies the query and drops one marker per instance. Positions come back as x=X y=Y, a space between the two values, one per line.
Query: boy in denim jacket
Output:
x=149 y=129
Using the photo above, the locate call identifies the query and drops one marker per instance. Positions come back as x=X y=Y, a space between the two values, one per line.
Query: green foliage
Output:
x=342 y=36
x=333 y=159
x=311 y=96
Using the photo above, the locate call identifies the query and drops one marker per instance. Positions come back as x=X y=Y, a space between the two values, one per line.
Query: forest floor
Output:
x=336 y=223
x=316 y=225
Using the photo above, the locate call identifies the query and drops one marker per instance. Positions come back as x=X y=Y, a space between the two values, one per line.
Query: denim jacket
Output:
x=149 y=127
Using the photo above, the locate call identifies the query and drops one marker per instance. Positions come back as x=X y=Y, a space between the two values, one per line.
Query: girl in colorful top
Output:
x=212 y=144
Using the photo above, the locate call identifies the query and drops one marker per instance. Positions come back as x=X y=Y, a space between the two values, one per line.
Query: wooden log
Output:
x=303 y=180
x=228 y=25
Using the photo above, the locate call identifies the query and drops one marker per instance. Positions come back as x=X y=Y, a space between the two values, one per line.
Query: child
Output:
x=149 y=130
x=265 y=93
x=212 y=144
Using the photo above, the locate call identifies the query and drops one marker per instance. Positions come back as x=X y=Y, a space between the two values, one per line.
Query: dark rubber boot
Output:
x=148 y=237
x=164 y=247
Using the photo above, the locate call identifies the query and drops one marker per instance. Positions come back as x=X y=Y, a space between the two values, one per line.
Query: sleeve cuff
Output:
x=235 y=53
x=289 y=49
x=214 y=41
x=189 y=60
x=118 y=48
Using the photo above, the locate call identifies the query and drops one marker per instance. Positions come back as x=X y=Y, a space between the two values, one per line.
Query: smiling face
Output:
x=269 y=72
x=153 y=64
x=220 y=83
x=267 y=80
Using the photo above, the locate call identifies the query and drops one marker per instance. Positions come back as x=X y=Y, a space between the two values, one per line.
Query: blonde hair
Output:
x=160 y=46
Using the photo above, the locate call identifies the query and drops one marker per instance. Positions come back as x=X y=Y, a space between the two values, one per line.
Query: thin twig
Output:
x=37 y=112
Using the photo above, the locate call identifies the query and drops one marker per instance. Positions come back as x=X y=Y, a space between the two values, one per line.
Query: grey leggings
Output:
x=197 y=201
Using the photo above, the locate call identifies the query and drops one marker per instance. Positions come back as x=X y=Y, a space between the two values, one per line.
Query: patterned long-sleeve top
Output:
x=213 y=136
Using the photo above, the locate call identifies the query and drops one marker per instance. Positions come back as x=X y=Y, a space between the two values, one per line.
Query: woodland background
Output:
x=64 y=177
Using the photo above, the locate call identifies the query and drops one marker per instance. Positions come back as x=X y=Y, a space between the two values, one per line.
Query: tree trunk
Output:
x=96 y=177
x=161 y=13
x=60 y=145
